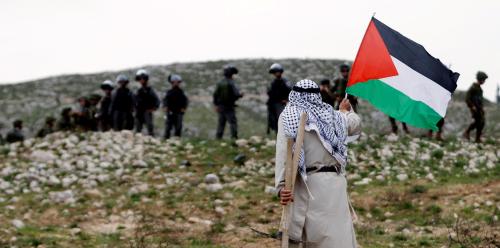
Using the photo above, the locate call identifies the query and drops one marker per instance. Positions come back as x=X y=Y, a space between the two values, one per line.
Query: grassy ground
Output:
x=454 y=208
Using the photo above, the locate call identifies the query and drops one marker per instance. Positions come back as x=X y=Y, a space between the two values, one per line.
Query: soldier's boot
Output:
x=466 y=134
x=429 y=134
x=439 y=136
x=405 y=128
x=394 y=126
x=478 y=136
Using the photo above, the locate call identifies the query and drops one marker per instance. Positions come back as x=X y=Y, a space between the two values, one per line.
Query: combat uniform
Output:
x=44 y=131
x=328 y=97
x=65 y=123
x=278 y=96
x=121 y=108
x=341 y=85
x=224 y=98
x=175 y=102
x=146 y=101
x=105 y=119
x=474 y=100
x=14 y=135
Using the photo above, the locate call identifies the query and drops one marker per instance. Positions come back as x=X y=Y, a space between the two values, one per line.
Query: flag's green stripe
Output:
x=396 y=104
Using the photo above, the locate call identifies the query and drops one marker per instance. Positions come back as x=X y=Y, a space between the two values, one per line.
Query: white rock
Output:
x=93 y=193
x=402 y=177
x=270 y=190
x=53 y=181
x=75 y=231
x=211 y=179
x=220 y=210
x=363 y=181
x=4 y=185
x=42 y=156
x=102 y=178
x=241 y=142
x=65 y=197
x=392 y=137
x=255 y=139
x=200 y=221
x=140 y=164
x=141 y=188
x=17 y=223
x=430 y=176
x=240 y=184
x=214 y=187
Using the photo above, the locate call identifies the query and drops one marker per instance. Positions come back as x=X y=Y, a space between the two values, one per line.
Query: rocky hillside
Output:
x=129 y=190
x=32 y=101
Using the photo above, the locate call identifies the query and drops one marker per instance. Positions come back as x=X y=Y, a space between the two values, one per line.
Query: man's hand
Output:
x=286 y=196
x=345 y=106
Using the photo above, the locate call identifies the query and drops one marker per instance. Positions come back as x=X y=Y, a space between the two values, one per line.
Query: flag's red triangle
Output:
x=373 y=60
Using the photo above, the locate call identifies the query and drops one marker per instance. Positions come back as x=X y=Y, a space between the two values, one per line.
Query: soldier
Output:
x=278 y=96
x=48 y=128
x=146 y=102
x=474 y=100
x=174 y=104
x=224 y=98
x=65 y=123
x=394 y=126
x=16 y=133
x=327 y=95
x=93 y=100
x=341 y=84
x=439 y=134
x=105 y=119
x=122 y=105
x=82 y=115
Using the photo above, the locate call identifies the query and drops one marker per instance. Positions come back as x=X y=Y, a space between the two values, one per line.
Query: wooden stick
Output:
x=291 y=167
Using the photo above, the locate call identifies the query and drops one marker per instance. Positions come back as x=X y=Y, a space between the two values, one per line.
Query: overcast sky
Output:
x=40 y=38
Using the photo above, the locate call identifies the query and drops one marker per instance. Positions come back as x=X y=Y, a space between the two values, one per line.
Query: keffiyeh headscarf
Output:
x=330 y=125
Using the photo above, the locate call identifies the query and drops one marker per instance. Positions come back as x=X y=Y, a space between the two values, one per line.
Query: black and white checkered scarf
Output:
x=330 y=125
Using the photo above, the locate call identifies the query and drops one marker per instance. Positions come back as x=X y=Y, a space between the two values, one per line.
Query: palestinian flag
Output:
x=400 y=78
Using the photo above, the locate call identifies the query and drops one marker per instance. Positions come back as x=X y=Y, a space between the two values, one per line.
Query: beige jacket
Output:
x=322 y=218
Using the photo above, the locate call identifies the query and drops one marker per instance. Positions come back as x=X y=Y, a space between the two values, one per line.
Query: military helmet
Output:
x=122 y=78
x=344 y=67
x=94 y=98
x=17 y=123
x=325 y=81
x=481 y=76
x=276 y=68
x=174 y=77
x=50 y=119
x=107 y=85
x=230 y=70
x=66 y=111
x=141 y=74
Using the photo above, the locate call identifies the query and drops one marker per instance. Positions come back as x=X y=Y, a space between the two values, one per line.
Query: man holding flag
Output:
x=392 y=72
x=400 y=78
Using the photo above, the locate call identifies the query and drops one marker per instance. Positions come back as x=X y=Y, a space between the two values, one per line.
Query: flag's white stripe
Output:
x=418 y=87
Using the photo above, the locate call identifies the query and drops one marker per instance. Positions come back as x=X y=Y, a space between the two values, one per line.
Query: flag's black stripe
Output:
x=415 y=56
